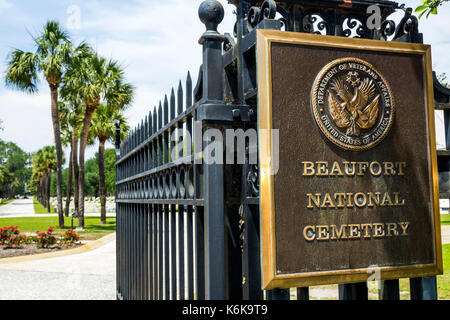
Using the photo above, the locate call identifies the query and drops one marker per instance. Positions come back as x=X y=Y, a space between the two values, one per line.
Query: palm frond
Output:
x=22 y=72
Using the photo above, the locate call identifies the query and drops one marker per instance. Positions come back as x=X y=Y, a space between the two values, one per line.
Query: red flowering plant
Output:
x=45 y=239
x=70 y=236
x=10 y=236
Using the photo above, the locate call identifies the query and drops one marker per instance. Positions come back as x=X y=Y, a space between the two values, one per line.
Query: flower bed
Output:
x=15 y=244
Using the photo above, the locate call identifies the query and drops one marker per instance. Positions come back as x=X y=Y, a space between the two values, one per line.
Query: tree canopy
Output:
x=15 y=170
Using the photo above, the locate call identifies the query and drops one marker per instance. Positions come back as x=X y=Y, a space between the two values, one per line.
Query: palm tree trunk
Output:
x=59 y=155
x=44 y=190
x=69 y=181
x=83 y=143
x=101 y=174
x=75 y=173
x=47 y=190
x=42 y=196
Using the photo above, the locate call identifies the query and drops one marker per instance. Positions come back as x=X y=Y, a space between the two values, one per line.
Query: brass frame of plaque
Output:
x=270 y=278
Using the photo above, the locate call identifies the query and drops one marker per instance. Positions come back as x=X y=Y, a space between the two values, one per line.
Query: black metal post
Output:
x=280 y=294
x=353 y=291
x=211 y=14
x=424 y=288
x=389 y=290
x=118 y=215
x=303 y=293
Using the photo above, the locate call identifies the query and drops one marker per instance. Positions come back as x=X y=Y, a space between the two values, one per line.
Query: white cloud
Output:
x=5 y=4
x=156 y=42
x=27 y=119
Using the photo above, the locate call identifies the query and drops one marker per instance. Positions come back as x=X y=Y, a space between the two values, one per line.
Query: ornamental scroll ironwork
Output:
x=333 y=21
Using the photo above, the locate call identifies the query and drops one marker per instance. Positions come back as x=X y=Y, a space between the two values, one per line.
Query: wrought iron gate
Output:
x=190 y=230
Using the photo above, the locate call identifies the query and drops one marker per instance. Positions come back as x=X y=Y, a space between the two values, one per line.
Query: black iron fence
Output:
x=187 y=229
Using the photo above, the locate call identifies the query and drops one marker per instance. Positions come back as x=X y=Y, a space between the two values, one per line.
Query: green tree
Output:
x=53 y=53
x=44 y=163
x=91 y=187
x=104 y=128
x=429 y=7
x=442 y=78
x=98 y=80
x=110 y=171
x=15 y=170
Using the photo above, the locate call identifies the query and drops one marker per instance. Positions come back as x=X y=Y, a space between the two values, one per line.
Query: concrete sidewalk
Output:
x=18 y=208
x=445 y=233
x=85 y=276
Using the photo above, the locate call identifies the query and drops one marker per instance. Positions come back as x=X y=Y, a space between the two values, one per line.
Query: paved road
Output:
x=18 y=208
x=84 y=276
x=24 y=208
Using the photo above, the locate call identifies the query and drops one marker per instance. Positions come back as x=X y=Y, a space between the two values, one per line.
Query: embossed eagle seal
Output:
x=352 y=104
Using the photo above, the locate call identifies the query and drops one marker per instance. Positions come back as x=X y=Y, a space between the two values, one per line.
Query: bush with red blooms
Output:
x=10 y=237
x=70 y=236
x=45 y=239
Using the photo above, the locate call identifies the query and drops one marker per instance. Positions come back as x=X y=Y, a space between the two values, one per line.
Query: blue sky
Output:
x=156 y=42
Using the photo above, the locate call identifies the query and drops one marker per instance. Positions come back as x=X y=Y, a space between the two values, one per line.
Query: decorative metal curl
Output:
x=268 y=10
x=408 y=25
x=354 y=23
x=387 y=29
x=285 y=20
x=308 y=21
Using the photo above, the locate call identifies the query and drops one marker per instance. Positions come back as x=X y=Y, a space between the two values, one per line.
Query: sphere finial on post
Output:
x=211 y=14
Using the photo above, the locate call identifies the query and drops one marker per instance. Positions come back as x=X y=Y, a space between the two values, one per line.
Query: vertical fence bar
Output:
x=280 y=294
x=199 y=253
x=180 y=253
x=129 y=234
x=173 y=255
x=139 y=251
x=167 y=257
x=188 y=254
x=158 y=252
x=424 y=288
x=303 y=293
x=353 y=291
x=146 y=253
x=390 y=290
x=154 y=254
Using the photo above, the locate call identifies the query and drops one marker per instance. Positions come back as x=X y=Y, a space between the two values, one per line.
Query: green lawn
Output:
x=3 y=202
x=93 y=229
x=445 y=219
x=39 y=208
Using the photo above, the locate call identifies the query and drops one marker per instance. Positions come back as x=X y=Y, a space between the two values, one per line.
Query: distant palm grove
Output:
x=88 y=94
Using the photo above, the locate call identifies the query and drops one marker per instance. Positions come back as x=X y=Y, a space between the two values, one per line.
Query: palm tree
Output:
x=71 y=95
x=44 y=163
x=53 y=51
x=70 y=127
x=103 y=127
x=97 y=80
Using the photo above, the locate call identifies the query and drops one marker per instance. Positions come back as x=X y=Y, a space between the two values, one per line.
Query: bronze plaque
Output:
x=352 y=187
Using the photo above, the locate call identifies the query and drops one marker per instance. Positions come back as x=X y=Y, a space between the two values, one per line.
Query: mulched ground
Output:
x=29 y=249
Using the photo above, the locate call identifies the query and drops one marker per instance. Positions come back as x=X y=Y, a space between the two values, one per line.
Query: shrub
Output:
x=10 y=236
x=70 y=236
x=45 y=239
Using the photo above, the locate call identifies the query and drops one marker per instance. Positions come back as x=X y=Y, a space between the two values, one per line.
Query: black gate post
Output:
x=211 y=13
x=353 y=291
x=118 y=216
x=424 y=288
x=389 y=290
